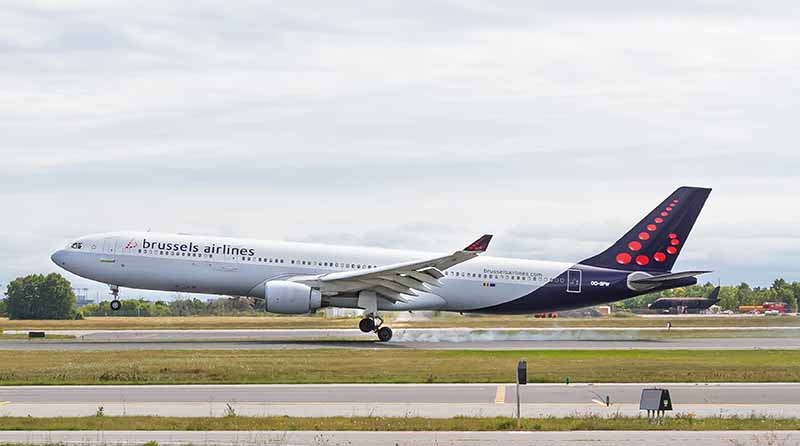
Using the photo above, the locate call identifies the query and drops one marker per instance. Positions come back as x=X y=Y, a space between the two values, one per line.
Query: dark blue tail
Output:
x=655 y=242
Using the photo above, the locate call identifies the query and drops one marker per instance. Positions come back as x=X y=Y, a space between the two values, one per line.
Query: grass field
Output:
x=104 y=423
x=393 y=366
x=449 y=320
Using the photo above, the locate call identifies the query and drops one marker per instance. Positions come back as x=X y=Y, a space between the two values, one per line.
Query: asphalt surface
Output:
x=437 y=339
x=428 y=400
x=258 y=438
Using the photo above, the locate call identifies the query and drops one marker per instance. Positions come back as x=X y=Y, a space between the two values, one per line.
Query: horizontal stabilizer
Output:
x=657 y=280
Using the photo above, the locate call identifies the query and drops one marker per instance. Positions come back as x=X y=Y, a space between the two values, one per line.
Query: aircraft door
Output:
x=109 y=250
x=574 y=280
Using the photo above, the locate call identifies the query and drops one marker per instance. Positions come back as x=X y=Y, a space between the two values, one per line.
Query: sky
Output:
x=418 y=124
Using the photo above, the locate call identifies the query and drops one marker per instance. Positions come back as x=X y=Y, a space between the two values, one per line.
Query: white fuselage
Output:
x=240 y=267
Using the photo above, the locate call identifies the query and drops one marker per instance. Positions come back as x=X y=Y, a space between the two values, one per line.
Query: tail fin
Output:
x=714 y=295
x=655 y=242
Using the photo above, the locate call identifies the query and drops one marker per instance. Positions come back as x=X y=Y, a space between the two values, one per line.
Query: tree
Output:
x=3 y=308
x=41 y=297
x=744 y=294
x=727 y=298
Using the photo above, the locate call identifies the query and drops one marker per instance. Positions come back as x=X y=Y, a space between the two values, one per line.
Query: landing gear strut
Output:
x=115 y=303
x=373 y=323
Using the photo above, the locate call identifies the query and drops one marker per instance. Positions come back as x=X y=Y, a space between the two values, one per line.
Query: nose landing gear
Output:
x=373 y=323
x=115 y=303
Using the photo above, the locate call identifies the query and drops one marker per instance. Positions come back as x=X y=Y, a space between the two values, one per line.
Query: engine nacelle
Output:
x=291 y=298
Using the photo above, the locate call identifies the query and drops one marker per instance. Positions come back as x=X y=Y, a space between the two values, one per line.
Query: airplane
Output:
x=298 y=278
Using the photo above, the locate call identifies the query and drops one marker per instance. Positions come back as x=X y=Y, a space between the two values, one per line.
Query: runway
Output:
x=396 y=400
x=316 y=438
x=434 y=339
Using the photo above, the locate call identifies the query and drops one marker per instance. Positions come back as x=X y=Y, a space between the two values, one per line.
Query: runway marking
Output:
x=3 y=403
x=500 y=395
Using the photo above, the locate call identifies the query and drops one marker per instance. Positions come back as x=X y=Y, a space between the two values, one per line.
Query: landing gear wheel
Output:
x=384 y=334
x=366 y=325
x=115 y=303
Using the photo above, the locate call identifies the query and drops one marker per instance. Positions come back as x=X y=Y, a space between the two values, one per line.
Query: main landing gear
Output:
x=373 y=323
x=115 y=303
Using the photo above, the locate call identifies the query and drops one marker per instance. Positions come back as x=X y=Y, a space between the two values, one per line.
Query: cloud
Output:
x=422 y=124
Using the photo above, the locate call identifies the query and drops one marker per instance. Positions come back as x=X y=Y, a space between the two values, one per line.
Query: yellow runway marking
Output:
x=500 y=396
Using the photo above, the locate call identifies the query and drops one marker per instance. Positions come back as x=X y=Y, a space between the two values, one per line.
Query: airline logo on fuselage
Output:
x=193 y=247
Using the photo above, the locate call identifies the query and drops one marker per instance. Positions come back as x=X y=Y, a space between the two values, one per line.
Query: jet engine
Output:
x=291 y=298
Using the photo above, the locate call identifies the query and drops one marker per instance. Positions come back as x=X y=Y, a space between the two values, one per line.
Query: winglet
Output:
x=479 y=245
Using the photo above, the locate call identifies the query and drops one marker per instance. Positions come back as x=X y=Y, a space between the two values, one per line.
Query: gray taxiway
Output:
x=426 y=400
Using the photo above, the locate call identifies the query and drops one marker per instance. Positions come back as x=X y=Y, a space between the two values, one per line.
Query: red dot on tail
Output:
x=675 y=200
x=659 y=257
x=674 y=242
x=644 y=236
x=669 y=208
x=673 y=235
x=642 y=260
x=664 y=214
x=634 y=246
x=651 y=227
x=672 y=250
x=623 y=258
x=658 y=220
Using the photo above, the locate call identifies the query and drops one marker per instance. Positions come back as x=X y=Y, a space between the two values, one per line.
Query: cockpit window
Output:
x=77 y=245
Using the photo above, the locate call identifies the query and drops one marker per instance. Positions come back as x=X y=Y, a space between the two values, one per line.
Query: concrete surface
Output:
x=440 y=339
x=427 y=400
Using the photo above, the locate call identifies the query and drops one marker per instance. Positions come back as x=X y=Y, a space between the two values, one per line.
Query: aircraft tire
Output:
x=384 y=334
x=116 y=305
x=366 y=325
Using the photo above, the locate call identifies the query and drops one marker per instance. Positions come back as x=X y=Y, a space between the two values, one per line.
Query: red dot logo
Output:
x=644 y=236
x=664 y=214
x=672 y=250
x=659 y=257
x=634 y=246
x=674 y=242
x=675 y=200
x=642 y=260
x=623 y=258
x=651 y=227
x=659 y=220
x=669 y=208
x=672 y=235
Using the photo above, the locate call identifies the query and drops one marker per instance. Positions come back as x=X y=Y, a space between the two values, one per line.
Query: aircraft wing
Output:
x=395 y=282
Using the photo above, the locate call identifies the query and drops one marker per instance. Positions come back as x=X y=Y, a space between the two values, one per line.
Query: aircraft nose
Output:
x=58 y=257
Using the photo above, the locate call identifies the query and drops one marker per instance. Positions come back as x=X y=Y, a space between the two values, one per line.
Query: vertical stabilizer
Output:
x=655 y=242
